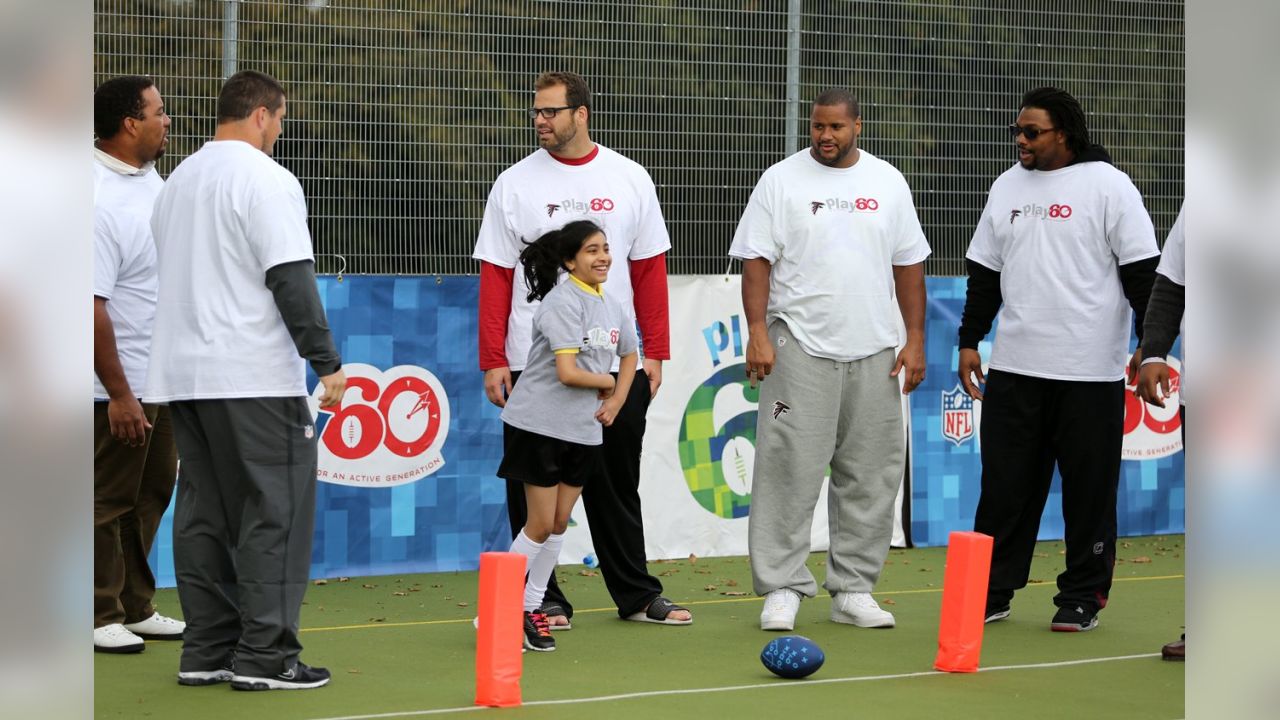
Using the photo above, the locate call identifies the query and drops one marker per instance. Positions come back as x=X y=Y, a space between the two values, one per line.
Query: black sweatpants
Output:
x=242 y=530
x=1028 y=425
x=612 y=503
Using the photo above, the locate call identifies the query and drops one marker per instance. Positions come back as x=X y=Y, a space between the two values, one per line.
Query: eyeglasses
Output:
x=548 y=112
x=1030 y=132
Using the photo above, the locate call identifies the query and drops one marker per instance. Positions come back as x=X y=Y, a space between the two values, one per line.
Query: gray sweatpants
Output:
x=816 y=412
x=242 y=530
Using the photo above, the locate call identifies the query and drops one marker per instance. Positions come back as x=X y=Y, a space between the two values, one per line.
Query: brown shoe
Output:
x=1175 y=651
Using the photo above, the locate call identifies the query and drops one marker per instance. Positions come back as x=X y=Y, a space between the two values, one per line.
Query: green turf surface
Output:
x=400 y=644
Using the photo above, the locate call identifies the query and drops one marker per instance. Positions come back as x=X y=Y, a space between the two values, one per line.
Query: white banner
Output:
x=699 y=447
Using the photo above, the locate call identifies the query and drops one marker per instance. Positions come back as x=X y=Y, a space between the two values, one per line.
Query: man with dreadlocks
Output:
x=1063 y=250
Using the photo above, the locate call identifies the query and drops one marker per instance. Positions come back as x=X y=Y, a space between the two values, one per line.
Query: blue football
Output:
x=792 y=656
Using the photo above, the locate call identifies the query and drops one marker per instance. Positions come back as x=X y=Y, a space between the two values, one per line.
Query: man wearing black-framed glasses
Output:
x=573 y=178
x=1063 y=251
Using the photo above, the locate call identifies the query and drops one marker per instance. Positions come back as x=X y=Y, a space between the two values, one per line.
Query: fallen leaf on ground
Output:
x=1141 y=559
x=399 y=593
x=588 y=573
x=377 y=619
x=1044 y=555
x=664 y=573
x=1034 y=582
x=731 y=582
x=354 y=672
x=888 y=601
x=463 y=604
x=734 y=593
x=710 y=587
x=368 y=586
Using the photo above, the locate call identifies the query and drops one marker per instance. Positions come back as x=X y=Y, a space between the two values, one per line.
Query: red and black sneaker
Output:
x=537 y=633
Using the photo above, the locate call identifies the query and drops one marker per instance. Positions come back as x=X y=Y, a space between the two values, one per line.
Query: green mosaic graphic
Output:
x=705 y=449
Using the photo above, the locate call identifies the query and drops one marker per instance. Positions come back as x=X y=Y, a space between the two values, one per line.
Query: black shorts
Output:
x=546 y=461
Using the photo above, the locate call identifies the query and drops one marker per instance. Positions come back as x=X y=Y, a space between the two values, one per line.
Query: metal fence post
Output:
x=230 y=34
x=790 y=138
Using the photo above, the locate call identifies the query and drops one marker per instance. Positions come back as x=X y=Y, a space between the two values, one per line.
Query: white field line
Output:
x=734 y=688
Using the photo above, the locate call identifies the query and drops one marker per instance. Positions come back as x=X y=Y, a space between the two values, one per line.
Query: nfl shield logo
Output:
x=957 y=416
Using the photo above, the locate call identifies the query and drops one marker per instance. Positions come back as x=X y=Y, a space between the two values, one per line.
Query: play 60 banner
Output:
x=699 y=449
x=387 y=430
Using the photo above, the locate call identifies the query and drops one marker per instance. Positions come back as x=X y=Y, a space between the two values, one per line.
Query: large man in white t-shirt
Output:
x=1063 y=250
x=570 y=178
x=829 y=238
x=134 y=460
x=239 y=311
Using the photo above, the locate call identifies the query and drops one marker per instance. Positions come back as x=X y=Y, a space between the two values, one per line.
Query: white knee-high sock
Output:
x=540 y=570
x=530 y=550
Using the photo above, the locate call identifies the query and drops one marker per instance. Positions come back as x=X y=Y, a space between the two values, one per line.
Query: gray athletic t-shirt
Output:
x=570 y=316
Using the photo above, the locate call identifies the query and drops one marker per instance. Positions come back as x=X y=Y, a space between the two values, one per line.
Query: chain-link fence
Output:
x=402 y=113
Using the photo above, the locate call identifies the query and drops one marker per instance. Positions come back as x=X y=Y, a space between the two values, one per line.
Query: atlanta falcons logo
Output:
x=1013 y=214
x=814 y=207
x=551 y=209
x=780 y=408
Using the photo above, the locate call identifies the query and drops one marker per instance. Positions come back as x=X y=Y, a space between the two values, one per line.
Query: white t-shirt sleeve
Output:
x=106 y=256
x=757 y=235
x=276 y=226
x=1173 y=259
x=496 y=243
x=628 y=339
x=1130 y=233
x=651 y=238
x=985 y=248
x=910 y=246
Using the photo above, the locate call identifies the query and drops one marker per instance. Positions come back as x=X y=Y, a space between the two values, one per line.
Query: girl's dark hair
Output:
x=544 y=258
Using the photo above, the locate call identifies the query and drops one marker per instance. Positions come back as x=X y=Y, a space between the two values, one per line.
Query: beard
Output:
x=558 y=140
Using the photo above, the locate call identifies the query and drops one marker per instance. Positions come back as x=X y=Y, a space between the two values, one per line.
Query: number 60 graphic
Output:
x=369 y=416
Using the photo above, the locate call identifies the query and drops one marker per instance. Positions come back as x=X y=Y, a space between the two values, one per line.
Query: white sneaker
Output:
x=157 y=627
x=780 y=608
x=115 y=639
x=859 y=608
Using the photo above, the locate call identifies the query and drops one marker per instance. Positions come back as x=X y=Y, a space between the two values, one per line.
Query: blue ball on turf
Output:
x=792 y=657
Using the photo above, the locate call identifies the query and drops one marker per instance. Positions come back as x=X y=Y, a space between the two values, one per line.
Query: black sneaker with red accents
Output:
x=537 y=634
x=1074 y=618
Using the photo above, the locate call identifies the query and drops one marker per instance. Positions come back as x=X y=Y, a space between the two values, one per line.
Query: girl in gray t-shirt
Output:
x=564 y=397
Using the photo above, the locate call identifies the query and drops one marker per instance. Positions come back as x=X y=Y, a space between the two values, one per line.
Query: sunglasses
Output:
x=1030 y=132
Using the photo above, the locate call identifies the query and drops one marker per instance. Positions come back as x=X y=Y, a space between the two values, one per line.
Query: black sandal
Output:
x=659 y=611
x=554 y=609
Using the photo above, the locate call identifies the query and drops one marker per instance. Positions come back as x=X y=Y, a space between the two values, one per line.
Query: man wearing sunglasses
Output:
x=568 y=178
x=1063 y=250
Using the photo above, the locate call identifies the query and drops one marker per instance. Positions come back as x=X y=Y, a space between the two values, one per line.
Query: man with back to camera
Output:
x=135 y=463
x=1063 y=249
x=569 y=178
x=239 y=311
x=829 y=238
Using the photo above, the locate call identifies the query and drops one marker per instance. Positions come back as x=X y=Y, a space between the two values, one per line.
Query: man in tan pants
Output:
x=134 y=460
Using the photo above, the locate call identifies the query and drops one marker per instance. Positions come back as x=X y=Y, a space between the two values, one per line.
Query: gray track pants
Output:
x=815 y=412
x=242 y=530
